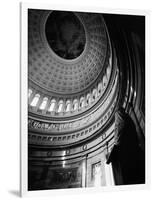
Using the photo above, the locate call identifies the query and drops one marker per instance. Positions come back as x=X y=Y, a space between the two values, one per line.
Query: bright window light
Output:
x=68 y=108
x=60 y=108
x=75 y=104
x=52 y=106
x=35 y=100
x=44 y=103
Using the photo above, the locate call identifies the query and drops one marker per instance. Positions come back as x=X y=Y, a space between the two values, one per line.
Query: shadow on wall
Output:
x=128 y=160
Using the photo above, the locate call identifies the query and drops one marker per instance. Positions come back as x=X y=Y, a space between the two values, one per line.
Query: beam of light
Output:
x=35 y=100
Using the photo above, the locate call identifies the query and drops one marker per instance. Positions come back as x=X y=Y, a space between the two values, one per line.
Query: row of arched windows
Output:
x=61 y=106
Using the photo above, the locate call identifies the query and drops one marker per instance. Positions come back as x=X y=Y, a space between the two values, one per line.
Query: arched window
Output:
x=94 y=94
x=44 y=103
x=75 y=104
x=60 y=106
x=29 y=92
x=35 y=100
x=68 y=106
x=99 y=88
x=89 y=99
x=52 y=105
x=82 y=102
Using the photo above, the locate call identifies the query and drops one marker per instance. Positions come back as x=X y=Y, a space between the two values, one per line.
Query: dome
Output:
x=81 y=73
x=69 y=68
x=65 y=34
x=70 y=95
x=55 y=67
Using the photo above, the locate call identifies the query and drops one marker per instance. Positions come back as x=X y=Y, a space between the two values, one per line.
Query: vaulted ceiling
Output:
x=73 y=77
x=65 y=60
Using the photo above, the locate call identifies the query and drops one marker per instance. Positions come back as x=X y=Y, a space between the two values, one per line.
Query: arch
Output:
x=35 y=100
x=60 y=106
x=52 y=105
x=82 y=102
x=68 y=106
x=100 y=87
x=75 y=104
x=94 y=94
x=44 y=103
x=89 y=99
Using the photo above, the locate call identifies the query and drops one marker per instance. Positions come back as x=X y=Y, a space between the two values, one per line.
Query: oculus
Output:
x=65 y=34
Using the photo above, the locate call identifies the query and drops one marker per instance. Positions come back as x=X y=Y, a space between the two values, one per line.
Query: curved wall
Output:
x=76 y=147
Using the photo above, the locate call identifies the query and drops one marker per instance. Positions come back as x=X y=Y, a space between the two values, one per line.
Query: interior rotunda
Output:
x=86 y=99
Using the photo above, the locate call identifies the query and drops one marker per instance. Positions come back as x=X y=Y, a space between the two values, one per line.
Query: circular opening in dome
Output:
x=65 y=34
